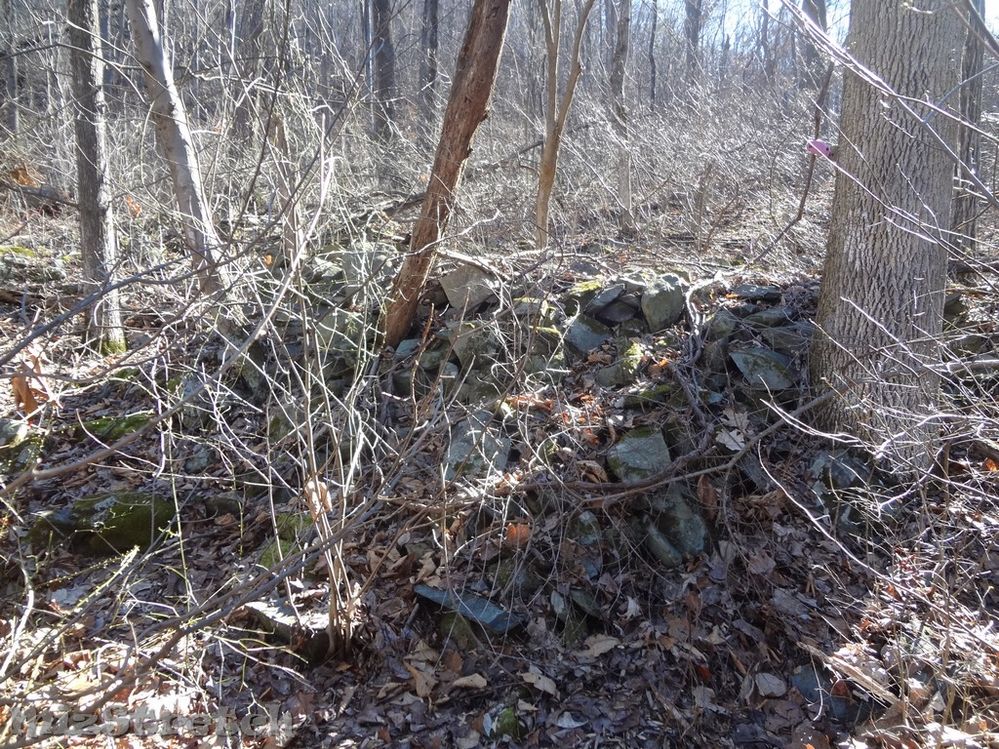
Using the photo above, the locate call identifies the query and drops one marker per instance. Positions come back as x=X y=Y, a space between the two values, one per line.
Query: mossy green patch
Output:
x=21 y=454
x=106 y=523
x=112 y=428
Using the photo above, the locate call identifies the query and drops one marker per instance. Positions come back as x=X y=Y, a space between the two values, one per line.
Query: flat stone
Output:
x=585 y=334
x=763 y=368
x=477 y=448
x=640 y=453
x=753 y=293
x=468 y=286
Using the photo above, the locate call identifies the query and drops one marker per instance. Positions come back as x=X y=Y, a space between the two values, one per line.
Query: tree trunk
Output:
x=619 y=115
x=8 y=71
x=384 y=62
x=428 y=62
x=692 y=36
x=248 y=28
x=174 y=138
x=652 y=55
x=467 y=107
x=966 y=207
x=881 y=304
x=556 y=112
x=98 y=243
x=813 y=70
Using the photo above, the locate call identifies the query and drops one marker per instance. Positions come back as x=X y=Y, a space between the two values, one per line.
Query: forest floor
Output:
x=833 y=603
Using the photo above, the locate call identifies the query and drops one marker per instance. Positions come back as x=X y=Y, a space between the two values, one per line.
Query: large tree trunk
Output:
x=98 y=245
x=428 y=61
x=384 y=53
x=556 y=111
x=966 y=206
x=173 y=135
x=467 y=107
x=619 y=115
x=881 y=304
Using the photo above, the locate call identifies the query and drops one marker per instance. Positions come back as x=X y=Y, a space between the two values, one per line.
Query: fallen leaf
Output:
x=472 y=681
x=518 y=534
x=770 y=685
x=597 y=645
x=424 y=680
x=540 y=682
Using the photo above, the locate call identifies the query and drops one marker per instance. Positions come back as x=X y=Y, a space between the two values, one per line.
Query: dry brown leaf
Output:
x=472 y=681
x=597 y=645
x=540 y=682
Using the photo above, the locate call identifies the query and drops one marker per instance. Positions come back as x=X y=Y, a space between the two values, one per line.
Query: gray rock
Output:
x=753 y=293
x=477 y=345
x=369 y=267
x=341 y=333
x=585 y=334
x=640 y=453
x=679 y=520
x=721 y=325
x=790 y=340
x=406 y=349
x=13 y=432
x=770 y=317
x=618 y=312
x=480 y=610
x=660 y=547
x=605 y=296
x=763 y=368
x=624 y=370
x=663 y=302
x=477 y=448
x=468 y=286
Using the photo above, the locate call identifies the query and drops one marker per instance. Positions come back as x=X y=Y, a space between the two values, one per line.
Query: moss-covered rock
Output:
x=106 y=523
x=21 y=449
x=289 y=526
x=113 y=428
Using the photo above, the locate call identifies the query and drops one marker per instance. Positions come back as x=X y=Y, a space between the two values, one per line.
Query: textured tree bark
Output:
x=468 y=105
x=428 y=62
x=966 y=207
x=248 y=28
x=98 y=243
x=384 y=62
x=619 y=116
x=556 y=111
x=881 y=304
x=173 y=134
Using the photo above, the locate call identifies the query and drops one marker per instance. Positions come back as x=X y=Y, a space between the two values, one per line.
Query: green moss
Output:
x=112 y=428
x=106 y=523
x=507 y=723
x=457 y=629
x=113 y=346
x=15 y=249
x=289 y=525
x=21 y=454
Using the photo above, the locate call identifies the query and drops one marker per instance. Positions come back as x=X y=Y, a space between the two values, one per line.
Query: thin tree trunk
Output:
x=619 y=115
x=98 y=243
x=812 y=71
x=8 y=71
x=880 y=308
x=966 y=207
x=652 y=55
x=428 y=63
x=692 y=36
x=248 y=29
x=384 y=62
x=173 y=135
x=556 y=112
x=474 y=78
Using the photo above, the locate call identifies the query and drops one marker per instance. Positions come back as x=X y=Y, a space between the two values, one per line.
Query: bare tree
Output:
x=98 y=244
x=881 y=304
x=619 y=114
x=467 y=107
x=812 y=70
x=8 y=70
x=173 y=134
x=966 y=206
x=692 y=35
x=428 y=61
x=652 y=54
x=556 y=110
x=384 y=67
